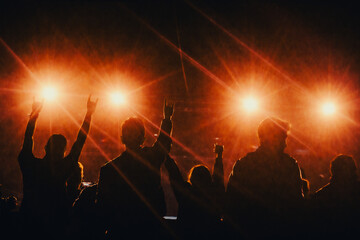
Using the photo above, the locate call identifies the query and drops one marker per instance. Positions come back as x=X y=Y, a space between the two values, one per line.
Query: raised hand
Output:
x=168 y=110
x=91 y=105
x=218 y=149
x=36 y=107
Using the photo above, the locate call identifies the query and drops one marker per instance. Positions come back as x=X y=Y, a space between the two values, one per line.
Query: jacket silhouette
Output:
x=264 y=190
x=130 y=197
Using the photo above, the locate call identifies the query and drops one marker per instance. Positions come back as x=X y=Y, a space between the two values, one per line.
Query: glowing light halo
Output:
x=117 y=98
x=250 y=104
x=49 y=93
x=328 y=108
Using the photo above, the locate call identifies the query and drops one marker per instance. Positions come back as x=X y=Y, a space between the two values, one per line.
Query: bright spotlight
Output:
x=49 y=93
x=118 y=98
x=328 y=108
x=250 y=104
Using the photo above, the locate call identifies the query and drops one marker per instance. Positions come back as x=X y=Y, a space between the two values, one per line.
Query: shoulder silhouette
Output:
x=130 y=196
x=45 y=205
x=265 y=186
x=200 y=198
x=336 y=205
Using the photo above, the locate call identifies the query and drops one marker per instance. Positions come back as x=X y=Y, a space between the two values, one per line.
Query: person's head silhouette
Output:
x=133 y=133
x=343 y=168
x=55 y=147
x=200 y=177
x=272 y=133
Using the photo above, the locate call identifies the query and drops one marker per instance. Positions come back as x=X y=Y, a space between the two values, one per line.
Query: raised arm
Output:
x=177 y=182
x=218 y=171
x=218 y=179
x=84 y=130
x=30 y=128
x=163 y=143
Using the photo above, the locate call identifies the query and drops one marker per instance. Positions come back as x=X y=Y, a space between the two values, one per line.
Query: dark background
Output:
x=291 y=53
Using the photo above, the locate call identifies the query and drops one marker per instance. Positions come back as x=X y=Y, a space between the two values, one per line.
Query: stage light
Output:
x=117 y=98
x=250 y=104
x=328 y=108
x=49 y=93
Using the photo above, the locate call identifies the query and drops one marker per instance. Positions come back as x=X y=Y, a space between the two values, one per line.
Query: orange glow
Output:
x=118 y=98
x=328 y=108
x=49 y=93
x=250 y=104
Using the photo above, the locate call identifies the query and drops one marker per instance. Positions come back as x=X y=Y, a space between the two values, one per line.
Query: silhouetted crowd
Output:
x=267 y=195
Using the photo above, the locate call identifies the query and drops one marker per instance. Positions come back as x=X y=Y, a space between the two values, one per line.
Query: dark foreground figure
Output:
x=336 y=206
x=264 y=197
x=130 y=197
x=264 y=193
x=200 y=199
x=45 y=205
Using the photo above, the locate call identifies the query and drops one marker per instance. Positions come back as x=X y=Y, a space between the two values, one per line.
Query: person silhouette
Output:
x=73 y=184
x=336 y=205
x=84 y=216
x=200 y=198
x=265 y=187
x=130 y=197
x=45 y=204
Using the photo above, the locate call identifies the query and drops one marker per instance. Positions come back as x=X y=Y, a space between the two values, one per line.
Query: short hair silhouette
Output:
x=133 y=132
x=200 y=176
x=272 y=127
x=272 y=133
x=56 y=145
x=343 y=167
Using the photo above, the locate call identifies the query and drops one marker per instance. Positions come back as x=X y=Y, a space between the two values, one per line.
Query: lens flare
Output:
x=250 y=104
x=49 y=93
x=328 y=108
x=117 y=98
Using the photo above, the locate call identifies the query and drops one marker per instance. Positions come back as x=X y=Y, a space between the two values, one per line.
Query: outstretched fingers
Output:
x=91 y=105
x=218 y=148
x=89 y=98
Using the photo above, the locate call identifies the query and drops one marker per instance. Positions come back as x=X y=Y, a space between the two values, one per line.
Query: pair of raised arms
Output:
x=37 y=106
x=91 y=106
